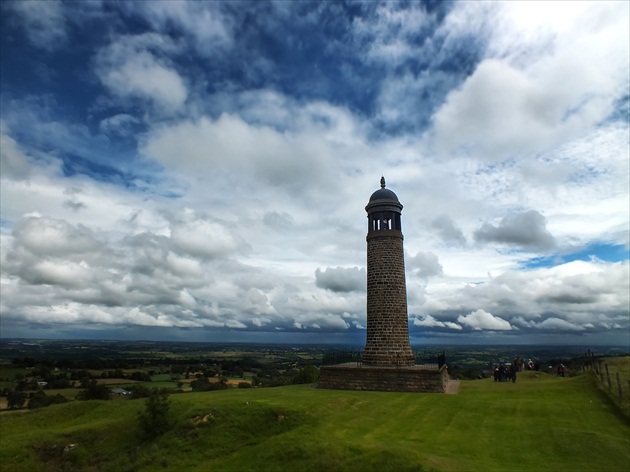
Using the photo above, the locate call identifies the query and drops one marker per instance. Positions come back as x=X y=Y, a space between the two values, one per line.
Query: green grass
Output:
x=9 y=371
x=541 y=423
x=621 y=366
x=161 y=378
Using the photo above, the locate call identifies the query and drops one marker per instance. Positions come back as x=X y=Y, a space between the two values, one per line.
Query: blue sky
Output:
x=199 y=170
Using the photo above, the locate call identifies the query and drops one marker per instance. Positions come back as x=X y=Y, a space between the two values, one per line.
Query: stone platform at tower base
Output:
x=353 y=376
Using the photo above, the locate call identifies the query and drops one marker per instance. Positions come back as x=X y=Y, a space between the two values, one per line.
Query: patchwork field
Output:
x=540 y=423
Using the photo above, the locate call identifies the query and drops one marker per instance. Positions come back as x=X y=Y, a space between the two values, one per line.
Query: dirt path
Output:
x=453 y=387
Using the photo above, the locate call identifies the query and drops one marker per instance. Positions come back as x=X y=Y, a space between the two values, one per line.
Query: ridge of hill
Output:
x=539 y=423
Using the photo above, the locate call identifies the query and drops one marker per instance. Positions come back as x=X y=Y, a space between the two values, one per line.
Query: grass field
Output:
x=541 y=423
x=621 y=366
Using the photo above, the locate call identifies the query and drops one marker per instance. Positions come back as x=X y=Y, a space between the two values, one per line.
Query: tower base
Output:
x=353 y=376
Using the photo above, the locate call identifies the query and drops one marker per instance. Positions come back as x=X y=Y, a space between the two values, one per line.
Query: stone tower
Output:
x=387 y=343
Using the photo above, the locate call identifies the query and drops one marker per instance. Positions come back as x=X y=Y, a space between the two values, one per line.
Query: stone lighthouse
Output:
x=387 y=342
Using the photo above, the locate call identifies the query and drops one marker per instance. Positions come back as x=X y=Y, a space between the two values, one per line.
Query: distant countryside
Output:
x=114 y=405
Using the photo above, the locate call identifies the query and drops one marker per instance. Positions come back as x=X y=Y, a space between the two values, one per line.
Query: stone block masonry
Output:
x=387 y=342
x=384 y=379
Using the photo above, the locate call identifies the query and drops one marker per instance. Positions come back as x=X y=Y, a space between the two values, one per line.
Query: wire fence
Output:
x=613 y=377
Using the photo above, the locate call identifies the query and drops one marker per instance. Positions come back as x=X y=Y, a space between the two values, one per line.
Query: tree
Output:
x=40 y=400
x=154 y=420
x=16 y=399
x=140 y=391
x=200 y=385
x=308 y=374
x=94 y=391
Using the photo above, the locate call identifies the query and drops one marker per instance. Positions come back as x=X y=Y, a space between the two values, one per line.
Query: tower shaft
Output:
x=387 y=342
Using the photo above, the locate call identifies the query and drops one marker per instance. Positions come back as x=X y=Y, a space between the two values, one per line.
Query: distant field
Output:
x=9 y=372
x=116 y=381
x=541 y=423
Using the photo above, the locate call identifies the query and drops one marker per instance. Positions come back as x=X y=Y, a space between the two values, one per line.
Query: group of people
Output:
x=507 y=372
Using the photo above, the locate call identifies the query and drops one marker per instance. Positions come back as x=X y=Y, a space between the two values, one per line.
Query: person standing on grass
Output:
x=561 y=370
x=512 y=373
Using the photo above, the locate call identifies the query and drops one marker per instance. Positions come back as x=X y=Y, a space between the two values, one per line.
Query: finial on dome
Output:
x=382 y=182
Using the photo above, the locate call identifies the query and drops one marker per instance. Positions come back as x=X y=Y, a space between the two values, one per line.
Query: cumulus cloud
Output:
x=42 y=236
x=592 y=295
x=202 y=238
x=527 y=230
x=340 y=279
x=230 y=144
x=430 y=322
x=322 y=321
x=554 y=85
x=424 y=265
x=482 y=320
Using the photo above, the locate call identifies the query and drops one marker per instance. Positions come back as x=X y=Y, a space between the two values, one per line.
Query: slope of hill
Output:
x=539 y=423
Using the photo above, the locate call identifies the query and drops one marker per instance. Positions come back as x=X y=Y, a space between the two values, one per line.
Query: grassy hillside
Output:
x=541 y=423
x=617 y=366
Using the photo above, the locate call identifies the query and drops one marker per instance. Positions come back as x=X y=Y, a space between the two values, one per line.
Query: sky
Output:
x=198 y=171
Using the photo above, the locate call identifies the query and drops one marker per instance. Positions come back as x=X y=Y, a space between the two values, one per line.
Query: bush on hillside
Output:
x=154 y=420
x=306 y=375
x=94 y=391
x=140 y=391
x=16 y=399
x=202 y=384
x=41 y=400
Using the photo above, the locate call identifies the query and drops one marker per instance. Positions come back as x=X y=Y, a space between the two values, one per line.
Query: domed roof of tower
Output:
x=383 y=193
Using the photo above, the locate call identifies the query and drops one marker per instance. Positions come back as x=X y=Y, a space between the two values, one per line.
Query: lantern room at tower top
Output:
x=383 y=211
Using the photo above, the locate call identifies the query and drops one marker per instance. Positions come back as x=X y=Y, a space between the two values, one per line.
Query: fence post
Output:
x=607 y=376
x=619 y=386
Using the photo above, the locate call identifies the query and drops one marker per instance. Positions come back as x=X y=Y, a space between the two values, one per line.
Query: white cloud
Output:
x=481 y=319
x=202 y=238
x=389 y=31
x=566 y=85
x=321 y=321
x=13 y=162
x=49 y=237
x=138 y=66
x=44 y=22
x=424 y=265
x=431 y=322
x=202 y=21
x=293 y=152
x=554 y=324
x=120 y=125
